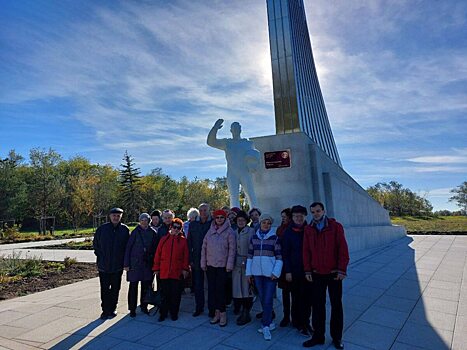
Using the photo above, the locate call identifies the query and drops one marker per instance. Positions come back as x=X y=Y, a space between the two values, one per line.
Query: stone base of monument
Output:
x=294 y=170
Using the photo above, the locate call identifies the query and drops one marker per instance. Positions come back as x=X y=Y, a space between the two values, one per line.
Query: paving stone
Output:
x=385 y=317
x=446 y=294
x=102 y=343
x=371 y=335
x=11 y=332
x=68 y=341
x=433 y=318
x=395 y=303
x=161 y=336
x=8 y=316
x=53 y=329
x=11 y=344
x=425 y=336
x=131 y=331
x=40 y=318
x=444 y=285
x=402 y=346
x=459 y=340
x=439 y=305
x=199 y=338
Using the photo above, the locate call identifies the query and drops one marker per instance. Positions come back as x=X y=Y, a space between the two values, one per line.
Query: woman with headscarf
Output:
x=217 y=259
x=139 y=255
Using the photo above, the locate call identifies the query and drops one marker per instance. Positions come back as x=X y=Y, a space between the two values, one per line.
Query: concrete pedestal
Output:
x=313 y=176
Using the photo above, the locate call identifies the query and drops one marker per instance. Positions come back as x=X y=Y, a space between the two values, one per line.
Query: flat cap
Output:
x=116 y=211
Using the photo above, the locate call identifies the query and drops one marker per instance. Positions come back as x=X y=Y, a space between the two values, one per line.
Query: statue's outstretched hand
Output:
x=218 y=123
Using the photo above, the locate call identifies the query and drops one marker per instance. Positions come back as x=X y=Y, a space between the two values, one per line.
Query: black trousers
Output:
x=171 y=294
x=133 y=294
x=217 y=280
x=300 y=291
x=110 y=287
x=228 y=289
x=198 y=286
x=320 y=284
x=286 y=295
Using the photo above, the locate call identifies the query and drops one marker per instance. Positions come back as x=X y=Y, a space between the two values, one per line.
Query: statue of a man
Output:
x=242 y=161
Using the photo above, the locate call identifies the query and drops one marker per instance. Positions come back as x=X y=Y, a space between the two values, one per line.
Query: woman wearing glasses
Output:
x=171 y=264
x=217 y=259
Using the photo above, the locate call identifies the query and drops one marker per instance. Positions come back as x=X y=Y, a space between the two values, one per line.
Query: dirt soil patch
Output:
x=51 y=278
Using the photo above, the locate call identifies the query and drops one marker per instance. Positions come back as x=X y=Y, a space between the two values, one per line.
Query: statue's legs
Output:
x=247 y=184
x=233 y=184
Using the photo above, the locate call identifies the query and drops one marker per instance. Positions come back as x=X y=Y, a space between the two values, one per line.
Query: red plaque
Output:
x=277 y=159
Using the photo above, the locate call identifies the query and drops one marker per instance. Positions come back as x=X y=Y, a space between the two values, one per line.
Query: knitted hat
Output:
x=266 y=217
x=144 y=216
x=235 y=209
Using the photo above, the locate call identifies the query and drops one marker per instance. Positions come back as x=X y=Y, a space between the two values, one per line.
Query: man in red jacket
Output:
x=325 y=260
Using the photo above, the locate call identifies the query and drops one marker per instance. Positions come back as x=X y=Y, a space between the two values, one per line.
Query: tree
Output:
x=130 y=190
x=45 y=187
x=460 y=197
x=398 y=200
x=10 y=183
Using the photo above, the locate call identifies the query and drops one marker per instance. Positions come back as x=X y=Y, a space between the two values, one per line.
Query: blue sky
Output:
x=96 y=78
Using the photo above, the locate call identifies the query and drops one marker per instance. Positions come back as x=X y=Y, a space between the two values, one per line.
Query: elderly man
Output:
x=167 y=218
x=109 y=244
x=325 y=260
x=197 y=230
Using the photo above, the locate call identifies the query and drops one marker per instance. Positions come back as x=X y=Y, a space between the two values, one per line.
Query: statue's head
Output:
x=235 y=129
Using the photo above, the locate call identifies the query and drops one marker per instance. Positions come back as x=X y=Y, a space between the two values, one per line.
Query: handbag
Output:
x=153 y=296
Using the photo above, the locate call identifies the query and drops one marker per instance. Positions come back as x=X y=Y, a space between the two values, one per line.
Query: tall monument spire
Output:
x=298 y=102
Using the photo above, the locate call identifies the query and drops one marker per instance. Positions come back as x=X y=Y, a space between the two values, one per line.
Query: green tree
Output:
x=45 y=187
x=460 y=197
x=106 y=189
x=10 y=182
x=130 y=189
x=398 y=200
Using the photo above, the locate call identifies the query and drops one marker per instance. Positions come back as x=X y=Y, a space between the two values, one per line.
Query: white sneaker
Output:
x=266 y=333
x=271 y=327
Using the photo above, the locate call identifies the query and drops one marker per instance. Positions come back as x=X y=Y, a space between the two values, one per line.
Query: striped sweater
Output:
x=264 y=255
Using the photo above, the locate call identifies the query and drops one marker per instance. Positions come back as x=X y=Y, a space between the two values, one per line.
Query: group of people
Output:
x=242 y=256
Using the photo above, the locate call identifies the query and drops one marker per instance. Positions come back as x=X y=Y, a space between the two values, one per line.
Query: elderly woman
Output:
x=217 y=259
x=241 y=291
x=263 y=266
x=171 y=264
x=191 y=215
x=139 y=255
x=167 y=217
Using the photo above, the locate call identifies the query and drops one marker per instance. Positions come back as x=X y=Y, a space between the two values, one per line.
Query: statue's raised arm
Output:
x=213 y=141
x=242 y=161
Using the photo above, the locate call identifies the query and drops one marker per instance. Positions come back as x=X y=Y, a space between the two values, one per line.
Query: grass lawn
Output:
x=440 y=224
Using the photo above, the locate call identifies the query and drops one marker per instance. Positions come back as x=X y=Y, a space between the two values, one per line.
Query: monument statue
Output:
x=243 y=160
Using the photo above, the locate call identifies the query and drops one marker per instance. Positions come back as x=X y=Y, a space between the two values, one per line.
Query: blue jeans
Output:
x=266 y=288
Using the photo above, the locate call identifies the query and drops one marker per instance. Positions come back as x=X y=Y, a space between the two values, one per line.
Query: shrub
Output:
x=13 y=265
x=10 y=233
x=56 y=266
x=69 y=261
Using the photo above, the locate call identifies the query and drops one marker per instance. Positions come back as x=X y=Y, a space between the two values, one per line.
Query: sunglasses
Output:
x=220 y=217
x=176 y=227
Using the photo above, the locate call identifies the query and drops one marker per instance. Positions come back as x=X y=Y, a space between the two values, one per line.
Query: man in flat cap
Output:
x=109 y=244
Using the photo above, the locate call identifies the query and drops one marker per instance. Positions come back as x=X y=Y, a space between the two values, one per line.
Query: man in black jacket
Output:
x=109 y=245
x=197 y=230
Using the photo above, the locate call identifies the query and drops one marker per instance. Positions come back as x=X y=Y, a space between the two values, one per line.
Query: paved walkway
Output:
x=26 y=249
x=411 y=294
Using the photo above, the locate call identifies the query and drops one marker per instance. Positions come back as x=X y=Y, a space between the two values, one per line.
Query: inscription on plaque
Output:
x=277 y=159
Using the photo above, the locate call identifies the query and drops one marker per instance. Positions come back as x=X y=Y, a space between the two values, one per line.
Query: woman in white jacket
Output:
x=264 y=266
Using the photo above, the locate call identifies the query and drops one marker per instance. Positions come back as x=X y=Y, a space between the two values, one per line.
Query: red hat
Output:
x=220 y=212
x=235 y=210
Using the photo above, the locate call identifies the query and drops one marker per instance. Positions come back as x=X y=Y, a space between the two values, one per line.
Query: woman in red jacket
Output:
x=171 y=263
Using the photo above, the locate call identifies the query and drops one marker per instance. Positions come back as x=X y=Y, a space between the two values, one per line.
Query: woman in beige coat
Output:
x=241 y=292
